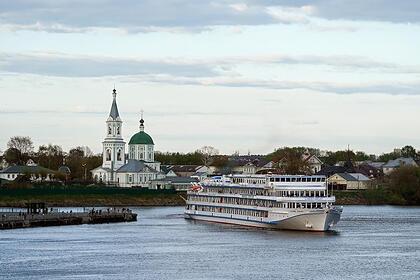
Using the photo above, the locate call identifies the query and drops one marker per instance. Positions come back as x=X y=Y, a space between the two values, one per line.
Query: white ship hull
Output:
x=321 y=220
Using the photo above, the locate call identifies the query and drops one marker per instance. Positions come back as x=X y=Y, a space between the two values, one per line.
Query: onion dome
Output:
x=141 y=137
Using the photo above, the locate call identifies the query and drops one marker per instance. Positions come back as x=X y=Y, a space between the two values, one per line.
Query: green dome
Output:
x=141 y=138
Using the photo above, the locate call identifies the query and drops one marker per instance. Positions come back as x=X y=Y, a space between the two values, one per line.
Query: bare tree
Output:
x=207 y=153
x=88 y=152
x=23 y=144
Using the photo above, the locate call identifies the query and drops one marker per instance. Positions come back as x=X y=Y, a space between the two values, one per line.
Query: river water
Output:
x=377 y=242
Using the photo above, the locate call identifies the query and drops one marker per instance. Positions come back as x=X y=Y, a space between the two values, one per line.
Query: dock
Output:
x=37 y=215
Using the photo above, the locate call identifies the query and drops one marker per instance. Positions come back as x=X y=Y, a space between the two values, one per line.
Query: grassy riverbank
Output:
x=109 y=196
x=378 y=196
x=88 y=196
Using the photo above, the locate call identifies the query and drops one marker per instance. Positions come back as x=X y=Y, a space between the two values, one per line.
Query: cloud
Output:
x=223 y=71
x=291 y=14
x=342 y=62
x=130 y=15
x=374 y=87
x=89 y=66
x=180 y=15
x=65 y=65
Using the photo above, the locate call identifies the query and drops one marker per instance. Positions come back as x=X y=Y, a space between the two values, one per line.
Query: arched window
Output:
x=108 y=155
x=119 y=155
x=118 y=130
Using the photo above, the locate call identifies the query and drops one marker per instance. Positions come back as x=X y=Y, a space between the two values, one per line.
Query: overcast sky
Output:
x=241 y=76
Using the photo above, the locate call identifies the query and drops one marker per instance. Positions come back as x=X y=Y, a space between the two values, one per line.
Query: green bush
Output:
x=405 y=183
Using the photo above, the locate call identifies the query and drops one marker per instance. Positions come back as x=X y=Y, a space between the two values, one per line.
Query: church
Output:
x=138 y=167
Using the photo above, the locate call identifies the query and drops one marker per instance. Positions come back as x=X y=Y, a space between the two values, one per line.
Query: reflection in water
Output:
x=369 y=242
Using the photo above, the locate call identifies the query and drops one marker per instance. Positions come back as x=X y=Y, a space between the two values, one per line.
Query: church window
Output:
x=108 y=155
x=109 y=130
x=119 y=155
x=118 y=130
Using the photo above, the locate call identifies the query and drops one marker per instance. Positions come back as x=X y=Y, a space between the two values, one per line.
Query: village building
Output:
x=313 y=162
x=33 y=171
x=187 y=170
x=397 y=163
x=175 y=182
x=349 y=181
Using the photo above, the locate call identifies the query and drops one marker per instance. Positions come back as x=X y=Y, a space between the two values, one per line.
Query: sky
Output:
x=247 y=76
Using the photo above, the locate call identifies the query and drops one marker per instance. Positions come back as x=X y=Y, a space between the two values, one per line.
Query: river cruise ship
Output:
x=292 y=202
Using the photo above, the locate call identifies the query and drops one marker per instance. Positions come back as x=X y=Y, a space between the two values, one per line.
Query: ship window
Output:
x=323 y=179
x=283 y=179
x=271 y=179
x=287 y=179
x=313 y=179
x=303 y=179
x=293 y=179
x=318 y=179
x=277 y=179
x=298 y=179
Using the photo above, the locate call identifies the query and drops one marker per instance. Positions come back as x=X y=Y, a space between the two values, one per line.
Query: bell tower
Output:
x=113 y=145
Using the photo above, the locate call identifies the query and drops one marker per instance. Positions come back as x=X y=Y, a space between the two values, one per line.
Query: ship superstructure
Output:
x=294 y=202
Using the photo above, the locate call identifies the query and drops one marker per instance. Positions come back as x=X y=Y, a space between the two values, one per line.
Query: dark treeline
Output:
x=405 y=184
x=194 y=158
x=79 y=159
x=332 y=157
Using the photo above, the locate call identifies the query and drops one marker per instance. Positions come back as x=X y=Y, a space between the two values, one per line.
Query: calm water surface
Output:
x=369 y=243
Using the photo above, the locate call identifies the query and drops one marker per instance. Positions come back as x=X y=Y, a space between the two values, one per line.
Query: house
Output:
x=177 y=183
x=370 y=170
x=167 y=171
x=136 y=173
x=314 y=163
x=35 y=172
x=188 y=170
x=330 y=170
x=397 y=163
x=249 y=168
x=349 y=181
x=249 y=164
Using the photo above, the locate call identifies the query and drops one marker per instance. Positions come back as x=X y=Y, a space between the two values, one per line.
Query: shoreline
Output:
x=82 y=196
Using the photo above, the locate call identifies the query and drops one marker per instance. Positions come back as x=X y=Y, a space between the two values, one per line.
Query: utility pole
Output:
x=85 y=175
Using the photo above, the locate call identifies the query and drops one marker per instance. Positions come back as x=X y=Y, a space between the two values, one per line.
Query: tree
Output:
x=22 y=143
x=14 y=156
x=220 y=161
x=387 y=157
x=361 y=156
x=50 y=156
x=80 y=164
x=207 y=153
x=179 y=158
x=77 y=152
x=290 y=160
x=408 y=151
x=405 y=182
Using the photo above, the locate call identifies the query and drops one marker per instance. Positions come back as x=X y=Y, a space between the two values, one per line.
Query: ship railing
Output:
x=307 y=198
